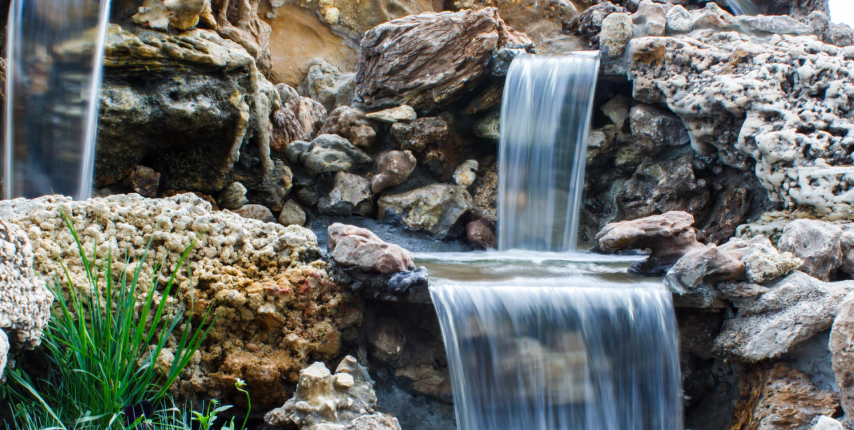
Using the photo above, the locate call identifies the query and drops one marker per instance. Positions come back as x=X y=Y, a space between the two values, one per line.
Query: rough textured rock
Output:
x=292 y=214
x=435 y=142
x=723 y=88
x=299 y=119
x=679 y=20
x=842 y=347
x=326 y=153
x=233 y=196
x=816 y=243
x=434 y=208
x=351 y=194
x=277 y=308
x=654 y=130
x=797 y=307
x=328 y=85
x=649 y=20
x=486 y=193
x=825 y=423
x=177 y=15
x=352 y=246
x=465 y=174
x=762 y=261
x=489 y=127
x=481 y=235
x=590 y=21
x=350 y=123
x=402 y=113
x=430 y=60
x=25 y=301
x=323 y=401
x=393 y=168
x=780 y=398
x=239 y=21
x=143 y=181
x=616 y=33
x=257 y=212
x=660 y=187
x=669 y=237
x=704 y=266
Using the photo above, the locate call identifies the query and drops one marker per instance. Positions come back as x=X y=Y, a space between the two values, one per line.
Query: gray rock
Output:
x=816 y=243
x=434 y=208
x=393 y=168
x=489 y=126
x=780 y=24
x=654 y=129
x=590 y=21
x=703 y=267
x=762 y=261
x=649 y=20
x=679 y=20
x=252 y=211
x=827 y=423
x=660 y=187
x=328 y=85
x=351 y=194
x=401 y=282
x=830 y=32
x=713 y=17
x=287 y=94
x=351 y=124
x=465 y=174
x=143 y=181
x=327 y=153
x=233 y=196
x=617 y=110
x=846 y=242
x=616 y=33
x=797 y=307
x=403 y=113
x=842 y=347
x=292 y=214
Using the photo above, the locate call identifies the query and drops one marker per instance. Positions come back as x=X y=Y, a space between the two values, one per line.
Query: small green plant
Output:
x=206 y=420
x=102 y=348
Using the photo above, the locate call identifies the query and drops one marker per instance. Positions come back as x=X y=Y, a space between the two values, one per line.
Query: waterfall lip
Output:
x=521 y=255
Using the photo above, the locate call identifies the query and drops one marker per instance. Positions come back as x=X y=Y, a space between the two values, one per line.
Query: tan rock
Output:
x=402 y=113
x=353 y=246
x=178 y=15
x=351 y=124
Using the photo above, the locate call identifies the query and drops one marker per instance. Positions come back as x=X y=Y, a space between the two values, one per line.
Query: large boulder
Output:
x=430 y=60
x=352 y=246
x=435 y=208
x=261 y=278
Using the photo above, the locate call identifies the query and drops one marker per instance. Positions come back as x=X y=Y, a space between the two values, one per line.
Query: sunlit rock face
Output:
x=276 y=307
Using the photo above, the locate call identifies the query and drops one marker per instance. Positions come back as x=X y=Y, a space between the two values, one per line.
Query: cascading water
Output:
x=53 y=75
x=552 y=340
x=545 y=123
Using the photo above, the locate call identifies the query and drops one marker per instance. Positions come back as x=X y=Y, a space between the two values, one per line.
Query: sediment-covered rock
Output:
x=842 y=346
x=434 y=208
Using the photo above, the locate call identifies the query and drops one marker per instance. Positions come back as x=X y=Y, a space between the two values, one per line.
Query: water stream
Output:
x=53 y=75
x=539 y=336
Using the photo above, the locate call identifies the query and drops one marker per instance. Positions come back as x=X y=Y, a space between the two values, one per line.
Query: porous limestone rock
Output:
x=350 y=123
x=669 y=237
x=178 y=15
x=722 y=85
x=679 y=20
x=393 y=168
x=780 y=397
x=276 y=307
x=351 y=194
x=796 y=308
x=616 y=33
x=143 y=181
x=353 y=246
x=233 y=196
x=323 y=401
x=763 y=263
x=292 y=214
x=433 y=208
x=842 y=347
x=466 y=173
x=430 y=60
x=25 y=301
x=256 y=212
x=654 y=129
x=402 y=113
x=328 y=85
x=326 y=153
x=816 y=243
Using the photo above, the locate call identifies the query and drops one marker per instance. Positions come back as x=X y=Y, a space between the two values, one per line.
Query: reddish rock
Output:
x=351 y=246
x=393 y=168
x=480 y=235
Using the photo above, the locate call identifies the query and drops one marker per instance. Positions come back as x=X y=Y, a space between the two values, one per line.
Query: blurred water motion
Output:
x=545 y=123
x=54 y=63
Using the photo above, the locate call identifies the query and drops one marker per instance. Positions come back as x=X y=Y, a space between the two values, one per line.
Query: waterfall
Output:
x=539 y=336
x=53 y=75
x=545 y=123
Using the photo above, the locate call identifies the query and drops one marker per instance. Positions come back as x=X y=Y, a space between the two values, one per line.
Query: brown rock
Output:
x=486 y=193
x=299 y=119
x=732 y=212
x=420 y=134
x=486 y=100
x=143 y=181
x=387 y=341
x=292 y=214
x=659 y=187
x=669 y=237
x=406 y=61
x=480 y=235
x=816 y=243
x=350 y=123
x=434 y=142
x=351 y=246
x=251 y=211
x=238 y=20
x=780 y=398
x=393 y=168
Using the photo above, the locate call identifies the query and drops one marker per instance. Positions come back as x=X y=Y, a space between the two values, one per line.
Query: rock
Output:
x=351 y=124
x=649 y=20
x=842 y=348
x=402 y=282
x=328 y=85
x=182 y=15
x=387 y=340
x=797 y=307
x=489 y=127
x=252 y=211
x=654 y=130
x=327 y=153
x=616 y=33
x=617 y=110
x=406 y=61
x=486 y=194
x=679 y=20
x=832 y=33
x=816 y=243
x=714 y=18
x=660 y=187
x=351 y=246
x=480 y=235
x=143 y=181
x=310 y=115
x=486 y=100
x=669 y=237
x=825 y=423
x=287 y=93
x=434 y=208
x=262 y=276
x=732 y=212
x=393 y=168
x=466 y=173
x=704 y=266
x=239 y=20
x=203 y=196
x=25 y=301
x=780 y=397
x=590 y=21
x=351 y=194
x=762 y=261
x=324 y=401
x=292 y=214
x=402 y=113
x=434 y=142
x=773 y=25
x=268 y=189
x=741 y=290
x=233 y=196
x=793 y=8
x=421 y=134
x=846 y=242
